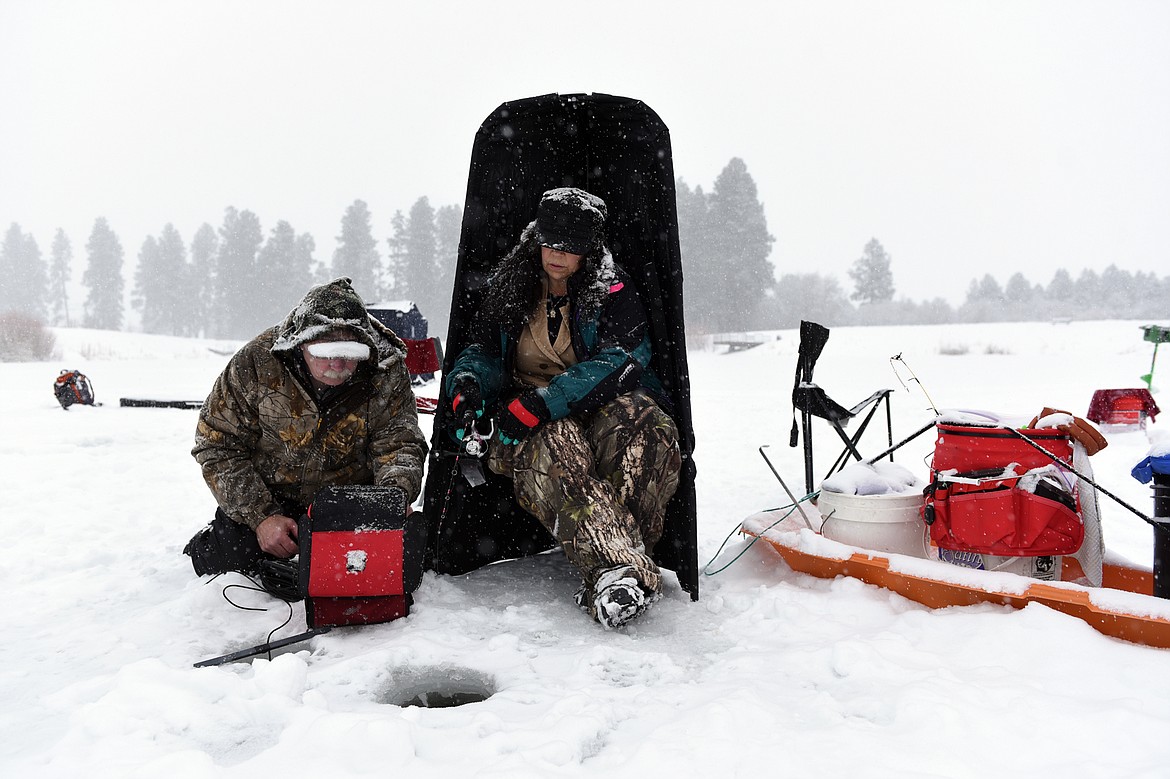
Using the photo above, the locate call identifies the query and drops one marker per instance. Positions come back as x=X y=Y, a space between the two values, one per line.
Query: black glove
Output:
x=467 y=405
x=523 y=415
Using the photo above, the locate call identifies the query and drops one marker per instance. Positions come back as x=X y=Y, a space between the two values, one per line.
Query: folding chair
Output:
x=811 y=401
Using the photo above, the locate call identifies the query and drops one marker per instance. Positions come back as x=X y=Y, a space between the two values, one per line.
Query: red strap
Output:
x=526 y=417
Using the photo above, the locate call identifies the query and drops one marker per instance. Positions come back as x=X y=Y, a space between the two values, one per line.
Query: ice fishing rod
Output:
x=1068 y=467
x=903 y=442
x=262 y=648
x=269 y=645
x=474 y=445
x=913 y=377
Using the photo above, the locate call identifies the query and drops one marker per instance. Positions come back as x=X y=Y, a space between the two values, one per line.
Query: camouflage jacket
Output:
x=266 y=444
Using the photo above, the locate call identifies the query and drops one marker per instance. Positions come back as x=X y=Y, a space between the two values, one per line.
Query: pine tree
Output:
x=1117 y=291
x=11 y=257
x=873 y=282
x=395 y=286
x=160 y=283
x=36 y=278
x=146 y=296
x=740 y=242
x=421 y=265
x=701 y=273
x=286 y=270
x=1151 y=295
x=986 y=290
x=448 y=226
x=173 y=272
x=985 y=301
x=1087 y=290
x=1060 y=289
x=103 y=278
x=59 y=274
x=25 y=287
x=1018 y=289
x=200 y=288
x=235 y=314
x=356 y=255
x=303 y=259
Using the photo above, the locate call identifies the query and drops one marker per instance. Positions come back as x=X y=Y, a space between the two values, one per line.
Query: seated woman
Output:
x=560 y=357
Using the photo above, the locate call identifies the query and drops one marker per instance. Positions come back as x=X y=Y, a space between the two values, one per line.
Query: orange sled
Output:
x=1124 y=607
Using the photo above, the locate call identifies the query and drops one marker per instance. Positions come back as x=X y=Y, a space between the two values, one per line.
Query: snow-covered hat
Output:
x=325 y=309
x=569 y=219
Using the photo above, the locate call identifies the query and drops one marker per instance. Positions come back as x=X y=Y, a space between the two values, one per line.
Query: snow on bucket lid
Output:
x=880 y=478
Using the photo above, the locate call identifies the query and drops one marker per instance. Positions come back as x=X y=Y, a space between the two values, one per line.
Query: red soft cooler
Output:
x=974 y=503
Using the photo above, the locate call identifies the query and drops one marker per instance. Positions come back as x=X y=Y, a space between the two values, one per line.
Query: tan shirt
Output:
x=539 y=361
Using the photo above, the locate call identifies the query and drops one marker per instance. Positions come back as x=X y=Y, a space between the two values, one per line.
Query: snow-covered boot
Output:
x=620 y=598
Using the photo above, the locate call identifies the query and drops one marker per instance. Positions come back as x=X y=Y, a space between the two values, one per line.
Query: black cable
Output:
x=256 y=588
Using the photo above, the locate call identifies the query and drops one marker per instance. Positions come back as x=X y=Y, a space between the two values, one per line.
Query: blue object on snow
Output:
x=1145 y=470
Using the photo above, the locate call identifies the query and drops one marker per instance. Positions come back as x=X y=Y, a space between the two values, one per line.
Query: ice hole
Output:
x=437 y=687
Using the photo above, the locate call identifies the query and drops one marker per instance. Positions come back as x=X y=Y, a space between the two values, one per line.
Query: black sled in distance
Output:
x=618 y=149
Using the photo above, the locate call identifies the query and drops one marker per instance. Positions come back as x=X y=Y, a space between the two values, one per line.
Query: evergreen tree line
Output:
x=235 y=281
x=731 y=286
x=1111 y=294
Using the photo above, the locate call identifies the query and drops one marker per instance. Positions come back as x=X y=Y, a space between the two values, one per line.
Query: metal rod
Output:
x=799 y=505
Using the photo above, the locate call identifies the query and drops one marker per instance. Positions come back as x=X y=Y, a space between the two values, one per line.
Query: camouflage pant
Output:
x=600 y=484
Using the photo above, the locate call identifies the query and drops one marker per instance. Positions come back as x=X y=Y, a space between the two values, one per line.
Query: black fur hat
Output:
x=569 y=219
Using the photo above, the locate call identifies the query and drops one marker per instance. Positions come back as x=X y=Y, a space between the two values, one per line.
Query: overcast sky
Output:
x=967 y=137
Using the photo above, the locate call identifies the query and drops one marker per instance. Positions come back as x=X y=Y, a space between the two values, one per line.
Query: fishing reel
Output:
x=473 y=445
x=475 y=442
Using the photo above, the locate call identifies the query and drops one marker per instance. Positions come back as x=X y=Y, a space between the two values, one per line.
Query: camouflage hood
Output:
x=333 y=306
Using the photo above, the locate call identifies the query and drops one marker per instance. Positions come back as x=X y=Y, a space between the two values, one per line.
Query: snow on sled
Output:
x=618 y=149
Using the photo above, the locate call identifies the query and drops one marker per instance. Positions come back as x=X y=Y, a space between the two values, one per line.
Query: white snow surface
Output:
x=770 y=673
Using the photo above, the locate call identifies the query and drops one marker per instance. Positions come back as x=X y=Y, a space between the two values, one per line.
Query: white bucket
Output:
x=883 y=523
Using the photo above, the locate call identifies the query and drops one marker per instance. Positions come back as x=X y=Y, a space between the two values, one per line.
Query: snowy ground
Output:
x=770 y=673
